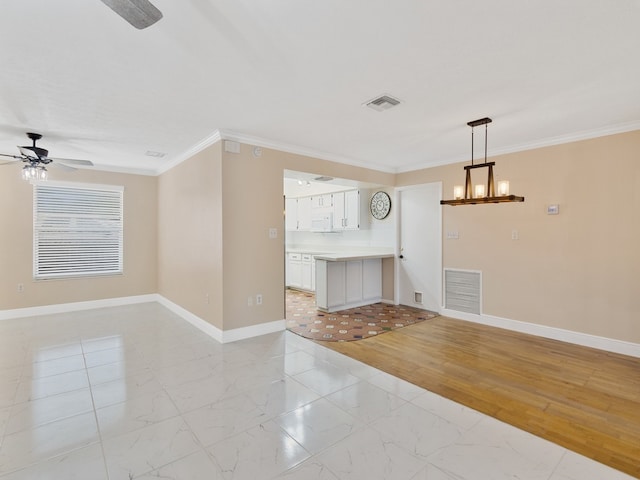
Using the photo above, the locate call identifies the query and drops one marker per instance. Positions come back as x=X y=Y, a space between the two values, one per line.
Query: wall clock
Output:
x=380 y=205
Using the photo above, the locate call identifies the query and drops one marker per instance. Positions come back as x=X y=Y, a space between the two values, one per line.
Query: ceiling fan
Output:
x=36 y=159
x=139 y=13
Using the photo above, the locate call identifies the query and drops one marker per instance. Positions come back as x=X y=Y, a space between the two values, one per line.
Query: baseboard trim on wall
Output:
x=253 y=331
x=202 y=325
x=76 y=306
x=584 y=339
x=222 y=336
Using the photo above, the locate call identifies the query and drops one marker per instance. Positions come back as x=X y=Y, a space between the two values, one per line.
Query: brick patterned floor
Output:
x=354 y=324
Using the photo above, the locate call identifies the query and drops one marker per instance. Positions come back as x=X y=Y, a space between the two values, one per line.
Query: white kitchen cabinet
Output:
x=347 y=209
x=352 y=210
x=353 y=281
x=338 y=211
x=306 y=272
x=300 y=271
x=304 y=213
x=291 y=214
x=371 y=279
x=294 y=270
x=343 y=284
x=321 y=202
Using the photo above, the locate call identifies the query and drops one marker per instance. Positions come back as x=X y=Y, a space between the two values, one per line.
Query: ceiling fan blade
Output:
x=73 y=161
x=27 y=152
x=15 y=157
x=63 y=167
x=139 y=13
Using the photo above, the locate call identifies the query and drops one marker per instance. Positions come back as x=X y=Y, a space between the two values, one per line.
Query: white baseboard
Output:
x=76 y=306
x=223 y=336
x=202 y=325
x=253 y=331
x=584 y=339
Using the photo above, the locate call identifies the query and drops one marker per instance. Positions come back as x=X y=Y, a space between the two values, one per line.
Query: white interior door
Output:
x=419 y=268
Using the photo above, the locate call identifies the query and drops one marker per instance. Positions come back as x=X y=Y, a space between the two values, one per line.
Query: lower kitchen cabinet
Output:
x=348 y=284
x=300 y=271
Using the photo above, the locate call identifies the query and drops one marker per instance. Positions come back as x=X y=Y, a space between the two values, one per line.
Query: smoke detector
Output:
x=382 y=103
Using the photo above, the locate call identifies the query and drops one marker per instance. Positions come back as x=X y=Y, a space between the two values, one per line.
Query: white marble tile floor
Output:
x=136 y=392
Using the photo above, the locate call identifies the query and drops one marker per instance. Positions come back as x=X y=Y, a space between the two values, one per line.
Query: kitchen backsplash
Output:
x=379 y=234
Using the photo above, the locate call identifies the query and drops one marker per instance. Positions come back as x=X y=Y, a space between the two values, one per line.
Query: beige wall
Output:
x=253 y=202
x=578 y=270
x=16 y=242
x=198 y=235
x=190 y=235
x=215 y=211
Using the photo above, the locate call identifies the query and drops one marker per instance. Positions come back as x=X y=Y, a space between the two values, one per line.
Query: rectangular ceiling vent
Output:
x=462 y=290
x=382 y=103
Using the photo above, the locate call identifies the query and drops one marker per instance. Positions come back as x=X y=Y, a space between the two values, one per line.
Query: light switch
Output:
x=273 y=233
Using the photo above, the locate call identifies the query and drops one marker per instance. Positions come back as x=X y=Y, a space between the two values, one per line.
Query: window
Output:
x=77 y=230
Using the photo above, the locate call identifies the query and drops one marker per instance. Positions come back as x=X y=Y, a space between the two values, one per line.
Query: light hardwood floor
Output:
x=584 y=399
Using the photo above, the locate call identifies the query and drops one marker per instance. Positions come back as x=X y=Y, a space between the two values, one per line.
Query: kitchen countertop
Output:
x=353 y=255
x=343 y=254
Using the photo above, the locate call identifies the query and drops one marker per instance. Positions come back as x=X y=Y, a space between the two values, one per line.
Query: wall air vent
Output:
x=324 y=178
x=462 y=290
x=382 y=103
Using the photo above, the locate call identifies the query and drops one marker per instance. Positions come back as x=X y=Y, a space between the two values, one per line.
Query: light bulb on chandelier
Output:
x=34 y=172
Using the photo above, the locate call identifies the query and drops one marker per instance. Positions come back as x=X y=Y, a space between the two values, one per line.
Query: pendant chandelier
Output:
x=482 y=193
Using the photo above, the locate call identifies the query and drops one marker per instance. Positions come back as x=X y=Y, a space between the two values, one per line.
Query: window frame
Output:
x=69 y=242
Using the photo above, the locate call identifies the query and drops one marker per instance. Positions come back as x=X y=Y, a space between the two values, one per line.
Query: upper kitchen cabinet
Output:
x=298 y=214
x=291 y=214
x=304 y=213
x=349 y=210
x=337 y=211
x=321 y=202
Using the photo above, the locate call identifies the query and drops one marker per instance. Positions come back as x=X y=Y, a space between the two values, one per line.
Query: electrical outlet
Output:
x=207 y=298
x=515 y=235
x=249 y=301
x=259 y=299
x=21 y=287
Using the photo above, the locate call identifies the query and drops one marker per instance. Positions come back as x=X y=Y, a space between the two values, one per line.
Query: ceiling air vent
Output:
x=324 y=178
x=383 y=102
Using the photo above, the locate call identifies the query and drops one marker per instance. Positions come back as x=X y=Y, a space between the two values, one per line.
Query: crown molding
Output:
x=545 y=142
x=218 y=135
x=209 y=140
x=298 y=150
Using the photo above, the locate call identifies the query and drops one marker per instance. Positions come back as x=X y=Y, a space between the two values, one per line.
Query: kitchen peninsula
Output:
x=349 y=280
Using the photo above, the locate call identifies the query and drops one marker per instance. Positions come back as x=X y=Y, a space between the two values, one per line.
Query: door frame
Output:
x=439 y=255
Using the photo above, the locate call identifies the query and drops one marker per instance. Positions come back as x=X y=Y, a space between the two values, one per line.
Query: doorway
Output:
x=419 y=266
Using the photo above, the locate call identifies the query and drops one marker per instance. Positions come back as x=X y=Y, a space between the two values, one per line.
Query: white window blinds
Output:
x=77 y=230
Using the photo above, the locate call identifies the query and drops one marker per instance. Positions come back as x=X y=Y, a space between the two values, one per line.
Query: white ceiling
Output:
x=293 y=74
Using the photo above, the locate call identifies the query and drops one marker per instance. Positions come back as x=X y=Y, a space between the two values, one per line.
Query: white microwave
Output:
x=322 y=222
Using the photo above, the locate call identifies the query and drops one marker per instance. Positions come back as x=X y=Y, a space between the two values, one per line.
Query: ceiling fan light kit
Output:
x=482 y=193
x=34 y=172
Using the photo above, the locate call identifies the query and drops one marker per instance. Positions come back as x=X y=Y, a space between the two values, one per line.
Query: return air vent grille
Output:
x=463 y=290
x=383 y=102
